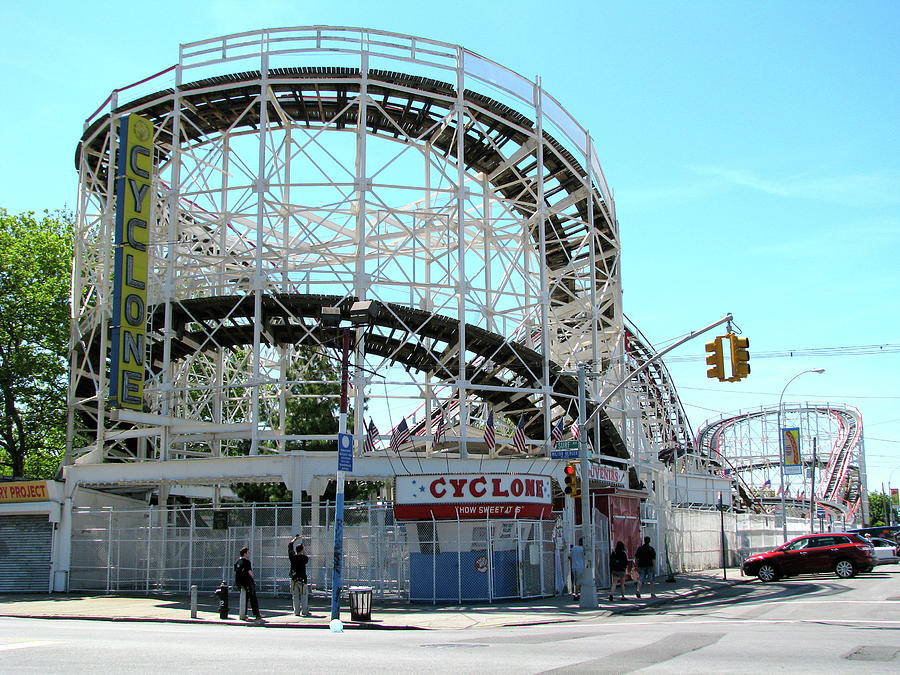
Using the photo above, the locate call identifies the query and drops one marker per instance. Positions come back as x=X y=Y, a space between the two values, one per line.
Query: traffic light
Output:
x=740 y=357
x=573 y=485
x=716 y=359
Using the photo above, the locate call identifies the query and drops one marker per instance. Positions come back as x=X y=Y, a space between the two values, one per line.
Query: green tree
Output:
x=35 y=258
x=314 y=404
x=879 y=507
x=313 y=408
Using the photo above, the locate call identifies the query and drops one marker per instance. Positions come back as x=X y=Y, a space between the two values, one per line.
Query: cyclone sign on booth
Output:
x=477 y=495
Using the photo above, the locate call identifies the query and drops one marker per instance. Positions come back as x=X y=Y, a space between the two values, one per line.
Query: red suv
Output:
x=843 y=553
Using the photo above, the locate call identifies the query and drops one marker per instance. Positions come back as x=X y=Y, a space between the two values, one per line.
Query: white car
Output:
x=886 y=551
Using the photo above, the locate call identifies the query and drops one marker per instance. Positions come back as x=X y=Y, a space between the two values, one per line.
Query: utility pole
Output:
x=723 y=544
x=589 y=598
x=812 y=488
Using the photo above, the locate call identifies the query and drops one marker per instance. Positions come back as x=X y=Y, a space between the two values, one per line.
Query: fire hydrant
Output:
x=222 y=593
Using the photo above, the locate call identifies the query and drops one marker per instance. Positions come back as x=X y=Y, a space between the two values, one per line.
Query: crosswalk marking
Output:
x=26 y=645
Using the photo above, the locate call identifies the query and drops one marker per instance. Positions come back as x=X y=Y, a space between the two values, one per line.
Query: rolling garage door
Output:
x=25 y=554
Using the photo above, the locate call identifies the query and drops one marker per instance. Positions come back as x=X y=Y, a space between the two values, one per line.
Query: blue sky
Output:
x=752 y=148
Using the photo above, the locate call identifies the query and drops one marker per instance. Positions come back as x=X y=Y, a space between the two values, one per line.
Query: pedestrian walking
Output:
x=645 y=559
x=618 y=569
x=243 y=578
x=299 y=582
x=576 y=561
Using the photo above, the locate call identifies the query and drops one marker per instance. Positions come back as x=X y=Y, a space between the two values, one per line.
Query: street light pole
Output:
x=338 y=549
x=589 y=587
x=781 y=446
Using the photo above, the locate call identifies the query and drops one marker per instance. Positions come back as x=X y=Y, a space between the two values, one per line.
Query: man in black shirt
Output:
x=299 y=582
x=645 y=559
x=243 y=578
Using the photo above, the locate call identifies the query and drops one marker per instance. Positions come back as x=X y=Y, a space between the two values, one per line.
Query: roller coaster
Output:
x=298 y=170
x=303 y=168
x=746 y=446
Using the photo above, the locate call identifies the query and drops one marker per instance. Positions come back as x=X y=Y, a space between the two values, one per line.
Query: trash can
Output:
x=360 y=603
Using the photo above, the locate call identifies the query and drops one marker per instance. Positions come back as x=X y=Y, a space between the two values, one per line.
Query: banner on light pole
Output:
x=790 y=441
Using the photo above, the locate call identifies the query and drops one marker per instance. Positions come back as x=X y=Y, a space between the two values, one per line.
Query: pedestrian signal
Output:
x=573 y=485
x=715 y=359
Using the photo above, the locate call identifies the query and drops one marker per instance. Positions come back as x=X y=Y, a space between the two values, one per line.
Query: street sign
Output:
x=564 y=454
x=567 y=445
x=820 y=513
x=345 y=452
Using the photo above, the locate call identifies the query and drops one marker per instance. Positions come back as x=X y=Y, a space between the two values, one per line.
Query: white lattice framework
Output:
x=309 y=167
x=746 y=446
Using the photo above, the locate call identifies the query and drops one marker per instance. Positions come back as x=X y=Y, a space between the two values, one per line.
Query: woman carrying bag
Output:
x=618 y=569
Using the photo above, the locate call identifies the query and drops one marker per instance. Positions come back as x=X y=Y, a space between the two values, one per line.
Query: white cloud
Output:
x=872 y=189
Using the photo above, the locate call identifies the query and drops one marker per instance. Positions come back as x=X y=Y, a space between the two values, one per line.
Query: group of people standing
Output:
x=619 y=565
x=243 y=578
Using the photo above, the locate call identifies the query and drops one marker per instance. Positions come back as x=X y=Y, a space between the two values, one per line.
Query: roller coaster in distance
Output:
x=831 y=441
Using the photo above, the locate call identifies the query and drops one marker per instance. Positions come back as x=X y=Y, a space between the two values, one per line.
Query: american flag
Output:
x=400 y=435
x=490 y=438
x=575 y=430
x=371 y=433
x=556 y=433
x=767 y=484
x=441 y=427
x=519 y=436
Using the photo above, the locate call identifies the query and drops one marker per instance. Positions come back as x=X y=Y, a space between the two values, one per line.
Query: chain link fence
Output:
x=172 y=548
x=694 y=538
x=169 y=549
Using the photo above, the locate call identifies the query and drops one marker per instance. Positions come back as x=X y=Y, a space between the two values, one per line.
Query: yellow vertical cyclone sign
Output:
x=791 y=459
x=134 y=168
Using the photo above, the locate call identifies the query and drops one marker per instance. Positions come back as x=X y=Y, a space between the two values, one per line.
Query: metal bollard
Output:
x=194 y=601
x=242 y=607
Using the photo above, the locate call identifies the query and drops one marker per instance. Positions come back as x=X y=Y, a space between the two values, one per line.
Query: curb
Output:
x=573 y=617
x=355 y=625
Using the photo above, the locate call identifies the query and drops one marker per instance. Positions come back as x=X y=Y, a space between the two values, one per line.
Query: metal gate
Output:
x=25 y=544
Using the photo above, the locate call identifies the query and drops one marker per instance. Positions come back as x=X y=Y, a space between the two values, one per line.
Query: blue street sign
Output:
x=563 y=454
x=345 y=452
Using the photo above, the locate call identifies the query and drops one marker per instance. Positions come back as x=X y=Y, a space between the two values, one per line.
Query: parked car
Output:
x=843 y=553
x=891 y=532
x=886 y=551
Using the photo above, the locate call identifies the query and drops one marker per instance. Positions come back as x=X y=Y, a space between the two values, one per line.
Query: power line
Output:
x=857 y=350
x=829 y=397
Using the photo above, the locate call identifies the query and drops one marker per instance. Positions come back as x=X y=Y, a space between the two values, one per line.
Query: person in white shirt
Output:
x=576 y=559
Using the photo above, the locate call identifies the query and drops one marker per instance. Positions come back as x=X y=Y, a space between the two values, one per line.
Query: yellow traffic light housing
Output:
x=716 y=359
x=573 y=485
x=740 y=357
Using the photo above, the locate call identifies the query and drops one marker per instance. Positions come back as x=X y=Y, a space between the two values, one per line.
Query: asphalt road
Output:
x=814 y=623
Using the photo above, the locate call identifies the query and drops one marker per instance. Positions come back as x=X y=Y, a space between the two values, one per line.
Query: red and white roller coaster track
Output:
x=835 y=489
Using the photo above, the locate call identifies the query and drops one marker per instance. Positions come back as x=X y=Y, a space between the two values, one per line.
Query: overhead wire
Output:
x=850 y=350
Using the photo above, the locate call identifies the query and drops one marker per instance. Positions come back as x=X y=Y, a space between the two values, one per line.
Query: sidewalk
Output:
x=386 y=614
